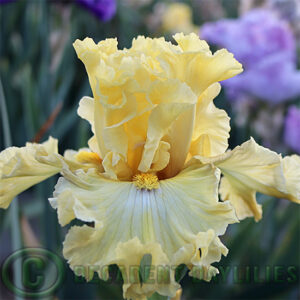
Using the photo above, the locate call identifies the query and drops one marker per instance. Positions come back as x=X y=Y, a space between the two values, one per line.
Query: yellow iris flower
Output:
x=178 y=17
x=150 y=179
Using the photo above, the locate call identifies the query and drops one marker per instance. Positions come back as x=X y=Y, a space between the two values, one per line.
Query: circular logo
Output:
x=42 y=272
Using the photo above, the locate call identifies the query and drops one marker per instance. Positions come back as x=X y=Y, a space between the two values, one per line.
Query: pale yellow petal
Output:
x=198 y=69
x=161 y=157
x=93 y=145
x=174 y=102
x=87 y=194
x=70 y=205
x=115 y=140
x=135 y=87
x=191 y=42
x=127 y=255
x=130 y=254
x=202 y=69
x=86 y=50
x=83 y=159
x=150 y=215
x=242 y=198
x=116 y=167
x=84 y=259
x=136 y=130
x=99 y=119
x=179 y=137
x=91 y=54
x=24 y=167
x=158 y=222
x=178 y=133
x=86 y=110
x=155 y=48
x=64 y=203
x=251 y=168
x=171 y=91
x=204 y=249
x=291 y=171
x=109 y=125
x=160 y=121
x=211 y=132
x=201 y=185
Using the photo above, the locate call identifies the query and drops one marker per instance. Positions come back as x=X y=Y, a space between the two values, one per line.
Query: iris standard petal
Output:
x=211 y=132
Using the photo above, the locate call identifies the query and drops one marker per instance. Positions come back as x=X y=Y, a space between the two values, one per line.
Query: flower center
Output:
x=145 y=181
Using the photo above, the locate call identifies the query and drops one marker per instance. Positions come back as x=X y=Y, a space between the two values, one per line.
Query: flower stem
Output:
x=14 y=208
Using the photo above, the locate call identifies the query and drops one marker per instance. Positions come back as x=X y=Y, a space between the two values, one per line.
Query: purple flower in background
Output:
x=266 y=47
x=6 y=1
x=292 y=128
x=103 y=9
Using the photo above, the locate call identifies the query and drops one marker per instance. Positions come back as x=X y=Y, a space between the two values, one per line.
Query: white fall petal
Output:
x=172 y=218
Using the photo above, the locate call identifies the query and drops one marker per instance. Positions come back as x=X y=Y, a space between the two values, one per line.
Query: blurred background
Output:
x=43 y=81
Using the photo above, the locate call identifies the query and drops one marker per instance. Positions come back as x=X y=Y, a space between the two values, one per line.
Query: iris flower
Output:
x=178 y=17
x=149 y=179
x=291 y=129
x=103 y=9
x=266 y=48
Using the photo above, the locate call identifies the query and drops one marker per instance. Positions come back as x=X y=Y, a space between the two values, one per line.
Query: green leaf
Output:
x=180 y=272
x=156 y=296
x=14 y=207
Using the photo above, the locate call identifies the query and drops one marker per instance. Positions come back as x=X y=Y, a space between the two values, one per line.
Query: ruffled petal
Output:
x=291 y=171
x=195 y=187
x=70 y=206
x=191 y=42
x=86 y=110
x=204 y=69
x=160 y=121
x=204 y=249
x=64 y=203
x=198 y=69
x=251 y=168
x=156 y=221
x=161 y=157
x=116 y=167
x=171 y=122
x=21 y=168
x=211 y=132
x=127 y=255
x=83 y=159
x=161 y=277
x=93 y=145
x=91 y=54
x=198 y=186
x=242 y=198
x=179 y=137
x=146 y=96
